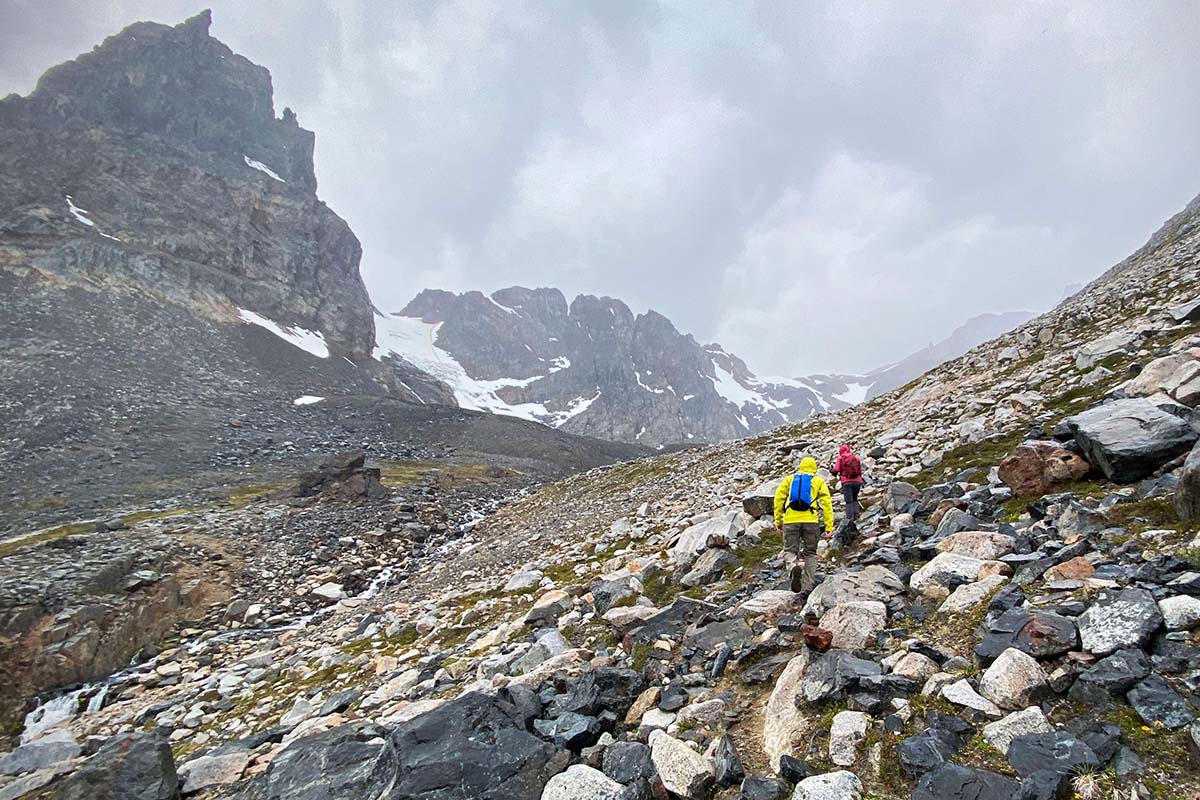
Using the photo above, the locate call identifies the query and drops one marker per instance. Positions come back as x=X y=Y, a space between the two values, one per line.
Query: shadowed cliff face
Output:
x=157 y=159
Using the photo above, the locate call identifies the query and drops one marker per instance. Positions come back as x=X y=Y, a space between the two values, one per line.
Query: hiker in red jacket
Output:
x=848 y=469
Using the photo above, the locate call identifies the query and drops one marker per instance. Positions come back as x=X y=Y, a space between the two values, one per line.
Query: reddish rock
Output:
x=1036 y=468
x=1077 y=569
x=816 y=638
x=936 y=517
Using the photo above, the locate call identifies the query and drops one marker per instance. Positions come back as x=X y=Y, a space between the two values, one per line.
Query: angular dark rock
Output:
x=626 y=762
x=1111 y=676
x=1159 y=705
x=1187 y=491
x=569 y=730
x=762 y=787
x=727 y=762
x=1129 y=439
x=468 y=748
x=1057 y=752
x=342 y=763
x=1038 y=633
x=833 y=675
x=129 y=766
x=954 y=782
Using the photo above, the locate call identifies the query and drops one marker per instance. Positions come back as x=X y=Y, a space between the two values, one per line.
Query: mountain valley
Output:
x=261 y=540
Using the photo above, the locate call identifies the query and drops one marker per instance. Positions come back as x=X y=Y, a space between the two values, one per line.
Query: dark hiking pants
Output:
x=850 y=495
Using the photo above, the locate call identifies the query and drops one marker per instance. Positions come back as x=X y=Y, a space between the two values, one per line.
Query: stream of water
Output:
x=54 y=710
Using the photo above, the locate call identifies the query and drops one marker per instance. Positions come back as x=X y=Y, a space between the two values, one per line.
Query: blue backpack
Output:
x=801 y=496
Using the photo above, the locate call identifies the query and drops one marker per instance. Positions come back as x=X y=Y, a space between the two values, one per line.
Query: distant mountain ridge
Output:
x=595 y=368
x=970 y=334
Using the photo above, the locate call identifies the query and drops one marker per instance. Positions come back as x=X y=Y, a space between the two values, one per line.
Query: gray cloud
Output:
x=764 y=175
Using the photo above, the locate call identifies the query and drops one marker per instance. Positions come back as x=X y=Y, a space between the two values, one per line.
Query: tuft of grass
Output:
x=242 y=496
x=640 y=655
x=985 y=454
x=11 y=546
x=1155 y=513
x=660 y=588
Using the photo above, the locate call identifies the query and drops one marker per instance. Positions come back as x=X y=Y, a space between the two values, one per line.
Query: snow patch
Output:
x=503 y=307
x=79 y=213
x=311 y=342
x=307 y=400
x=263 y=168
x=415 y=341
x=855 y=393
x=644 y=386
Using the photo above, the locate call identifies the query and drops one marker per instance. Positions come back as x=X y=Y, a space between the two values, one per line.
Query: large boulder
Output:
x=1174 y=375
x=1187 y=491
x=208 y=771
x=870 y=583
x=955 y=782
x=130 y=766
x=944 y=572
x=1119 y=620
x=52 y=748
x=721 y=528
x=708 y=567
x=855 y=624
x=1037 y=468
x=1014 y=680
x=682 y=770
x=984 y=545
x=470 y=747
x=1095 y=351
x=783 y=720
x=760 y=501
x=840 y=785
x=1129 y=439
x=341 y=763
x=579 y=781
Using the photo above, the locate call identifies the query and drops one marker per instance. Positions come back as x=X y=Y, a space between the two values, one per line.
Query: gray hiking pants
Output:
x=850 y=495
x=800 y=540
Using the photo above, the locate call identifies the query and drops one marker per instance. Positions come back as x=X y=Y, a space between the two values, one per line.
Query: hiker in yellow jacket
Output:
x=798 y=500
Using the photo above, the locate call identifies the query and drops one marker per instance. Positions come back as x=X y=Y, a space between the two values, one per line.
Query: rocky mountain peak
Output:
x=183 y=85
x=156 y=161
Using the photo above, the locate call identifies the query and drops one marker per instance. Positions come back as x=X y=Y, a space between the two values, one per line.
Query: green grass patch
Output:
x=1156 y=513
x=770 y=544
x=640 y=655
x=660 y=589
x=11 y=546
x=985 y=454
x=561 y=574
x=242 y=496
x=403 y=639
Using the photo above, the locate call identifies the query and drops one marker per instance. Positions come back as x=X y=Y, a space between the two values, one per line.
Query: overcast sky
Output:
x=817 y=186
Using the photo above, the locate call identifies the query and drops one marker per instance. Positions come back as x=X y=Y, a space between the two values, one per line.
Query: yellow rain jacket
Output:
x=821 y=499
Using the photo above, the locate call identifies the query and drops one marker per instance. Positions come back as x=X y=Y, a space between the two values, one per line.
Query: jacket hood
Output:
x=845 y=449
x=808 y=466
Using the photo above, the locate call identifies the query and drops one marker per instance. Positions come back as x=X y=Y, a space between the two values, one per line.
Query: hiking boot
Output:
x=797 y=577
